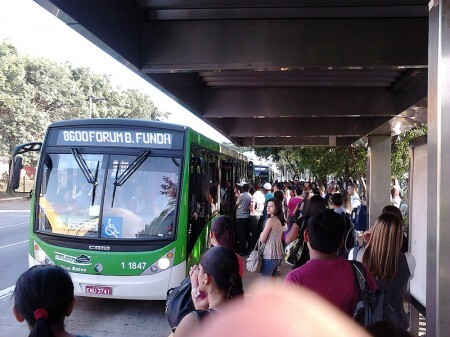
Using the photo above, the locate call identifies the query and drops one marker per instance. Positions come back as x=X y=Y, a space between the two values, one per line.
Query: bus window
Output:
x=144 y=205
x=68 y=203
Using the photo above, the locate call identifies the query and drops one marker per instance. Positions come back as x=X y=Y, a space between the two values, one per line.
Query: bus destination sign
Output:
x=130 y=138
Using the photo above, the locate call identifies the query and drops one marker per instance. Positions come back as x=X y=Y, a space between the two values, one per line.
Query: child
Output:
x=44 y=297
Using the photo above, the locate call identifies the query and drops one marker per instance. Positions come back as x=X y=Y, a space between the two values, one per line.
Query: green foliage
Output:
x=342 y=162
x=326 y=161
x=269 y=152
x=400 y=150
x=37 y=92
x=320 y=161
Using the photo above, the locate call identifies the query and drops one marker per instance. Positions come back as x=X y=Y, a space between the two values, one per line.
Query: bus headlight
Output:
x=40 y=256
x=163 y=263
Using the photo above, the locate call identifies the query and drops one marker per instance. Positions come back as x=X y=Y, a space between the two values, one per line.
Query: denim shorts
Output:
x=270 y=267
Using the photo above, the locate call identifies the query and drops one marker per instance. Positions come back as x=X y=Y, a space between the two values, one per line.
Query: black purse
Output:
x=295 y=249
x=179 y=303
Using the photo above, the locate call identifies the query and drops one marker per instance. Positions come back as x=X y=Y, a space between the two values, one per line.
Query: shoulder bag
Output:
x=179 y=303
x=294 y=250
x=254 y=260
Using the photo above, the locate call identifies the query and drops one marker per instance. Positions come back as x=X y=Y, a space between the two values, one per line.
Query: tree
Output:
x=321 y=162
x=342 y=162
x=400 y=150
x=35 y=92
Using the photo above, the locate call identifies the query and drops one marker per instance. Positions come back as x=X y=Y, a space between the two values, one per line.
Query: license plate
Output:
x=98 y=290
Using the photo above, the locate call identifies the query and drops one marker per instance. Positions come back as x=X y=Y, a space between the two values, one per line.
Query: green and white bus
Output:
x=125 y=205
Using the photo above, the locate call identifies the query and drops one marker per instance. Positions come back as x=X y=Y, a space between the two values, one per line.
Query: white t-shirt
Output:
x=258 y=201
x=354 y=199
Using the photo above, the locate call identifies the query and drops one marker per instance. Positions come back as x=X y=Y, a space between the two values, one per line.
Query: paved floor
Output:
x=14 y=203
x=251 y=278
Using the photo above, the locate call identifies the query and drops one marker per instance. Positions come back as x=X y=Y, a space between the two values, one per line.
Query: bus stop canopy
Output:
x=271 y=73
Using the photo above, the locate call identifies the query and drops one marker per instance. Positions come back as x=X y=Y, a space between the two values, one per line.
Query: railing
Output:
x=418 y=316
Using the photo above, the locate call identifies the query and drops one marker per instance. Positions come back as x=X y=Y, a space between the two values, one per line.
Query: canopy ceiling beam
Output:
x=297 y=102
x=306 y=126
x=292 y=141
x=199 y=45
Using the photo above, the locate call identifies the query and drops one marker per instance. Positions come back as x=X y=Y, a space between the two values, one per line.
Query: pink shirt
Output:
x=333 y=279
x=293 y=202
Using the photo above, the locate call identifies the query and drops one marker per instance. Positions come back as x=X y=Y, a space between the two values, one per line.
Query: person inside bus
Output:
x=218 y=277
x=225 y=197
x=163 y=224
x=138 y=200
x=64 y=203
x=166 y=197
x=43 y=297
x=84 y=198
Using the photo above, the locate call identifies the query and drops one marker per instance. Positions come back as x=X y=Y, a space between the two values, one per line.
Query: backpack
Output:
x=201 y=314
x=371 y=306
x=179 y=303
x=349 y=239
x=359 y=218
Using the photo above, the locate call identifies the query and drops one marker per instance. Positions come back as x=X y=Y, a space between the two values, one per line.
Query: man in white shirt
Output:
x=354 y=196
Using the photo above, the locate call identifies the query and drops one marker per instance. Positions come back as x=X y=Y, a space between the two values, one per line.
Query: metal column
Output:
x=438 y=242
x=379 y=175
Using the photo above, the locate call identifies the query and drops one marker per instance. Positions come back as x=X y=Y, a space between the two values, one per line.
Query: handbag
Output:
x=179 y=303
x=254 y=260
x=294 y=250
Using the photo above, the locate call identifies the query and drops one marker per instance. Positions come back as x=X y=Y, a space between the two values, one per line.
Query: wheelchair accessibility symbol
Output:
x=112 y=228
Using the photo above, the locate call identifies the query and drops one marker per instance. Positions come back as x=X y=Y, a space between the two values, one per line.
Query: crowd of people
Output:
x=321 y=217
x=322 y=279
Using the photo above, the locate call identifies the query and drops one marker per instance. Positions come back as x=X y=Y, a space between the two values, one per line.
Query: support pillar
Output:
x=379 y=176
x=438 y=231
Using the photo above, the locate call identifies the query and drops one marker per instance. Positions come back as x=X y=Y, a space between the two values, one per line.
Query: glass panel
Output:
x=68 y=203
x=144 y=205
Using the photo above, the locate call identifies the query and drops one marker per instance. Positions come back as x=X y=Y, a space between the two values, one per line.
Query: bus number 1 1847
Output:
x=133 y=265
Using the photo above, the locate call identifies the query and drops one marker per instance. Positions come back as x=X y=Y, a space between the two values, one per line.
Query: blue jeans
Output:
x=270 y=267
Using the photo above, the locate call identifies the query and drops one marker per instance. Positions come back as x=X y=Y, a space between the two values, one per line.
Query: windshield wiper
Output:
x=131 y=168
x=91 y=179
x=83 y=166
x=95 y=184
x=120 y=180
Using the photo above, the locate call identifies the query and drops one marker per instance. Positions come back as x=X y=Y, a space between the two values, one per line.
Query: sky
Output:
x=37 y=33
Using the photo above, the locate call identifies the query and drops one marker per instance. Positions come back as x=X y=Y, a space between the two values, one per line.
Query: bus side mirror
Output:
x=14 y=172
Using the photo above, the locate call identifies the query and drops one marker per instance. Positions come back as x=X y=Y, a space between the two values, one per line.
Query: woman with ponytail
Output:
x=222 y=234
x=218 y=277
x=43 y=297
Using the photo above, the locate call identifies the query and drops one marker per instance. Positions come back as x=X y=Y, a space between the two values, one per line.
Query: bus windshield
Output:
x=83 y=195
